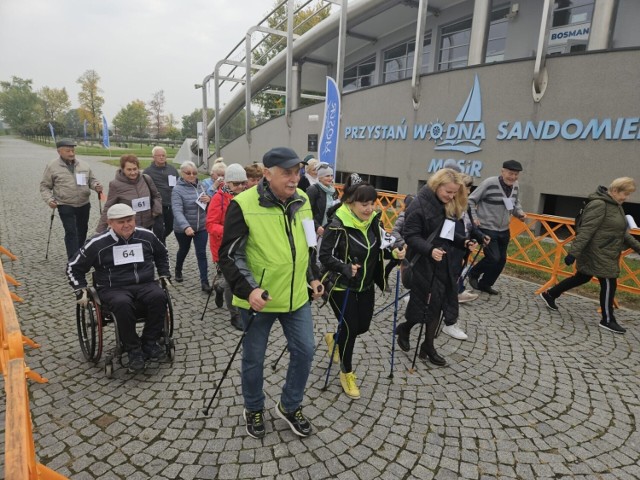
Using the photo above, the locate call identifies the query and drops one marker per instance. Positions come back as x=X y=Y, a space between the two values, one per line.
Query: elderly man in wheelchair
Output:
x=123 y=260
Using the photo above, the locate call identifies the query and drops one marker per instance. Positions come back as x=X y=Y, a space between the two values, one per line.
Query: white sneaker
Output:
x=454 y=332
x=466 y=297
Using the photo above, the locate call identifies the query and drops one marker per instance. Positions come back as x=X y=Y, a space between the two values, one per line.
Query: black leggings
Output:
x=357 y=319
x=607 y=291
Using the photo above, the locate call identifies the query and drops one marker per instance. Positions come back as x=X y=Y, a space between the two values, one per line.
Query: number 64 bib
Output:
x=123 y=254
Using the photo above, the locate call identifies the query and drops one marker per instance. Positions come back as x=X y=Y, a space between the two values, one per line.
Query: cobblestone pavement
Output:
x=531 y=394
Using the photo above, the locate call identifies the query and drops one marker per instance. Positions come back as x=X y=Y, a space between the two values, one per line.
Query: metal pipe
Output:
x=604 y=17
x=289 y=64
x=540 y=77
x=342 y=43
x=479 y=32
x=417 y=57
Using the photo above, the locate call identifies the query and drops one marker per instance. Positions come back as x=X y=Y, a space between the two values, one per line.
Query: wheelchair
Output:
x=92 y=319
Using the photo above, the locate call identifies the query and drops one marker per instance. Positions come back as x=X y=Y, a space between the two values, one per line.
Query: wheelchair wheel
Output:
x=89 y=331
x=168 y=321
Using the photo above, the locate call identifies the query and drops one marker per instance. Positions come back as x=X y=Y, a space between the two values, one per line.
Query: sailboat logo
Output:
x=467 y=132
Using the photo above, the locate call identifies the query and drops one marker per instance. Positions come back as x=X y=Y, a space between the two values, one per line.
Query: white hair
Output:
x=188 y=164
x=156 y=149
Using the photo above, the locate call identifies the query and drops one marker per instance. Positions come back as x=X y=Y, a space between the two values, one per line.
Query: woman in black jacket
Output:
x=322 y=197
x=353 y=249
x=429 y=232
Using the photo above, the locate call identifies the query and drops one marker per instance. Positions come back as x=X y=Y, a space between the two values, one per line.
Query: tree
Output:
x=19 y=105
x=132 y=120
x=90 y=100
x=190 y=122
x=303 y=21
x=73 y=124
x=172 y=132
x=156 y=111
x=55 y=103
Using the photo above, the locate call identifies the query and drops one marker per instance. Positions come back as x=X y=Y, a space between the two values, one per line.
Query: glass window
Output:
x=360 y=75
x=569 y=12
x=398 y=61
x=454 y=49
x=497 y=39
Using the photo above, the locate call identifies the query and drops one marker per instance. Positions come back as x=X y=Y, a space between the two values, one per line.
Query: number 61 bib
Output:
x=123 y=254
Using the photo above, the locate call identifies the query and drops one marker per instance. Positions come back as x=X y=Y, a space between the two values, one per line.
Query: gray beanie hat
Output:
x=235 y=173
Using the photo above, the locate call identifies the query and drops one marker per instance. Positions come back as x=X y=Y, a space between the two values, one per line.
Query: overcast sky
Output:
x=137 y=46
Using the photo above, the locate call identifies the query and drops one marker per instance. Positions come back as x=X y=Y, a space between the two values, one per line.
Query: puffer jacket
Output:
x=434 y=283
x=124 y=190
x=602 y=236
x=215 y=220
x=186 y=212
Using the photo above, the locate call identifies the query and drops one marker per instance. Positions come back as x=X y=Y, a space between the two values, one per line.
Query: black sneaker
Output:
x=612 y=326
x=219 y=297
x=296 y=420
x=255 y=423
x=236 y=322
x=136 y=360
x=206 y=288
x=549 y=301
x=153 y=351
x=178 y=277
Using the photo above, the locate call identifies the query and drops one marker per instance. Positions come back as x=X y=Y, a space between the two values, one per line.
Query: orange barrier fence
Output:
x=20 y=458
x=540 y=243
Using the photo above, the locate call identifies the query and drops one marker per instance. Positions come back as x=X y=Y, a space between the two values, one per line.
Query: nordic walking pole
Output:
x=395 y=321
x=424 y=319
x=415 y=354
x=252 y=316
x=274 y=365
x=390 y=304
x=209 y=296
x=99 y=202
x=335 y=340
x=53 y=214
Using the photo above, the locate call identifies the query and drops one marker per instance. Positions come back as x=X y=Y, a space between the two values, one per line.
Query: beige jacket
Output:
x=59 y=184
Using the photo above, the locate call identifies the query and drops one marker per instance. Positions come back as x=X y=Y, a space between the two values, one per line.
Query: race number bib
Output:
x=172 y=180
x=200 y=203
x=508 y=203
x=448 y=229
x=81 y=178
x=123 y=254
x=140 y=204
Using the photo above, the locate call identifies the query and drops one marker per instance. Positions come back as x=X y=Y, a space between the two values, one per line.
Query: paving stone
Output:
x=551 y=396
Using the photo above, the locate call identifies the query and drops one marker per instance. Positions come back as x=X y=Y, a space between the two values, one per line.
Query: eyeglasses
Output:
x=190 y=173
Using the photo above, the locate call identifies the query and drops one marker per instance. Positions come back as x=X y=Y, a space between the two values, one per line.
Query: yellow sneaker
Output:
x=349 y=385
x=336 y=355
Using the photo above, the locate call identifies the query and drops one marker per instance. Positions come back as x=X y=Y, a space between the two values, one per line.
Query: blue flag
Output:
x=85 y=129
x=53 y=134
x=328 y=148
x=105 y=132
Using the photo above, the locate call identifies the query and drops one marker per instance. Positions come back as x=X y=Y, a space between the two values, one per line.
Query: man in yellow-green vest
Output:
x=264 y=248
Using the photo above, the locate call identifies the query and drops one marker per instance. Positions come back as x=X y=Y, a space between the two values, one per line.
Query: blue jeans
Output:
x=495 y=258
x=184 y=245
x=75 y=221
x=298 y=329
